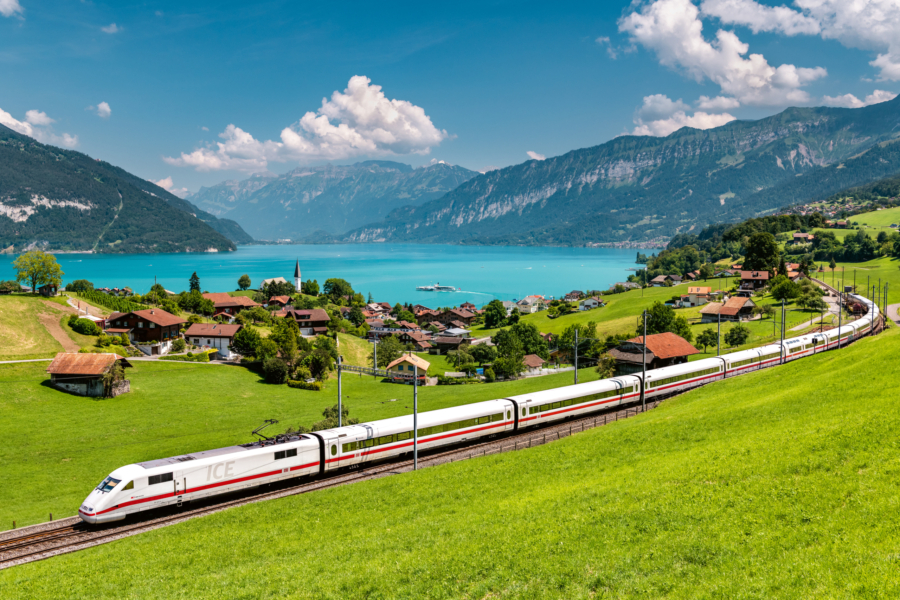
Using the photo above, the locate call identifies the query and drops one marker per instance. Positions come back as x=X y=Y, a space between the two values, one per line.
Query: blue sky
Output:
x=154 y=87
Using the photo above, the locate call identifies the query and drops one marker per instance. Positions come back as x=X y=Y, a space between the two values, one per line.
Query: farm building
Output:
x=663 y=350
x=82 y=374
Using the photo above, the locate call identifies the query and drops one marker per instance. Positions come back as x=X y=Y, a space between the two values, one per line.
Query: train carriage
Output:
x=166 y=481
x=383 y=440
x=570 y=401
x=678 y=378
x=741 y=362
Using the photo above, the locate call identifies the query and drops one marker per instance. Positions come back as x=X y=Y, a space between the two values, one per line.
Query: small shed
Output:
x=533 y=363
x=404 y=368
x=663 y=350
x=82 y=374
x=48 y=290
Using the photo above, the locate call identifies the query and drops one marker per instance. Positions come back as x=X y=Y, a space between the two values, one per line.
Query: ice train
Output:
x=171 y=481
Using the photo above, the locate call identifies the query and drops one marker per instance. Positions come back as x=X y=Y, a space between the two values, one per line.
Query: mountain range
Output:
x=637 y=188
x=331 y=199
x=58 y=199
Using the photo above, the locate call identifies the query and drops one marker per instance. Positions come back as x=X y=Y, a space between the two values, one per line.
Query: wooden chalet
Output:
x=663 y=350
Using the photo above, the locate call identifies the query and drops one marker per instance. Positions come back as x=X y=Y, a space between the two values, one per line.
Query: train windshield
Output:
x=108 y=484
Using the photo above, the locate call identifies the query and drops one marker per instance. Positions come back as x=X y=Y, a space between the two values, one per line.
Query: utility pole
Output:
x=340 y=405
x=719 y=334
x=840 y=315
x=576 y=355
x=782 y=332
x=416 y=417
x=644 y=366
x=375 y=350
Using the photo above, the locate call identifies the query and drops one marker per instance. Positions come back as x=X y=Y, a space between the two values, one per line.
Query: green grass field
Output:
x=779 y=484
x=24 y=335
x=59 y=446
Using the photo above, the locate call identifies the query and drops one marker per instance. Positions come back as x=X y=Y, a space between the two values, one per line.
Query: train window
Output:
x=349 y=447
x=533 y=409
x=333 y=449
x=497 y=417
x=129 y=486
x=367 y=444
x=153 y=479
x=404 y=436
x=508 y=415
x=523 y=412
x=279 y=455
x=291 y=452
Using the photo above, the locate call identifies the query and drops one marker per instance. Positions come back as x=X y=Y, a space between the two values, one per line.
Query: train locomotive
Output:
x=171 y=481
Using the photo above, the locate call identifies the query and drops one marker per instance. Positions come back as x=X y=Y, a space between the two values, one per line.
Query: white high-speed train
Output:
x=167 y=481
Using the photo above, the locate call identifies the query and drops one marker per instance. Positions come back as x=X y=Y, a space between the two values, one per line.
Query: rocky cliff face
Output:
x=637 y=188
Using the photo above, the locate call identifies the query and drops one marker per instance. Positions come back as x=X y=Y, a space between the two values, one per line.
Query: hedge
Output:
x=315 y=386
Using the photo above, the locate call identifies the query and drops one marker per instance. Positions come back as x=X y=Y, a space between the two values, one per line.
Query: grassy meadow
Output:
x=778 y=484
x=59 y=446
x=24 y=322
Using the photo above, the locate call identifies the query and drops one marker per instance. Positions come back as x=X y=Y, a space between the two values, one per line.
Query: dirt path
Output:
x=49 y=318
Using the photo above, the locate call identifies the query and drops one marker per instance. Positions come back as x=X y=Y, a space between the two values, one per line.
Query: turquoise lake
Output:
x=390 y=272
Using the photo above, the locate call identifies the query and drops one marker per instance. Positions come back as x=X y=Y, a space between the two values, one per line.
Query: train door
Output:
x=180 y=484
x=332 y=452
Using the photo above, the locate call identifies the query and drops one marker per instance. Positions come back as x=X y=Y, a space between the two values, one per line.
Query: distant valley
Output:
x=331 y=199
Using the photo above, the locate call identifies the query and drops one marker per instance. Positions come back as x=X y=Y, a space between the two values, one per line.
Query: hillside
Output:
x=64 y=200
x=640 y=188
x=332 y=198
x=723 y=492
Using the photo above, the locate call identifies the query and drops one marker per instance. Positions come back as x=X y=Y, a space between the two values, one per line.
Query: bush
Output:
x=84 y=326
x=299 y=384
x=276 y=370
x=489 y=375
x=199 y=357
x=457 y=380
x=178 y=345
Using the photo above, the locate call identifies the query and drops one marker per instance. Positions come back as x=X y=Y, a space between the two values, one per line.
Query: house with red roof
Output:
x=662 y=350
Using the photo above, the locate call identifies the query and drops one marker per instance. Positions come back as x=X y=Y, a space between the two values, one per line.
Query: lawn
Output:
x=59 y=446
x=778 y=484
x=24 y=336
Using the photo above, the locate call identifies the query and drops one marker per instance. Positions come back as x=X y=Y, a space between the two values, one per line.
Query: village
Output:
x=296 y=334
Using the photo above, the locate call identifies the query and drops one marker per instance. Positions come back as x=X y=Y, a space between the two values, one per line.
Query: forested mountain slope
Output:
x=639 y=188
x=64 y=200
x=330 y=198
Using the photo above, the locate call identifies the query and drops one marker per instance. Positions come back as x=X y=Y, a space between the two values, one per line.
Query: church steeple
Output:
x=297 y=279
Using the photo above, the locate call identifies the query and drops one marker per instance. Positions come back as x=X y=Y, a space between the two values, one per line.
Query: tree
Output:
x=707 y=271
x=707 y=337
x=356 y=316
x=663 y=319
x=275 y=370
x=337 y=288
x=38 y=268
x=832 y=264
x=244 y=282
x=513 y=317
x=370 y=300
x=310 y=287
x=737 y=335
x=489 y=375
x=194 y=282
x=246 y=341
x=785 y=289
x=494 y=314
x=389 y=350
x=761 y=252
x=10 y=286
x=782 y=268
x=266 y=349
x=606 y=366
x=483 y=353
x=111 y=378
x=404 y=315
x=79 y=285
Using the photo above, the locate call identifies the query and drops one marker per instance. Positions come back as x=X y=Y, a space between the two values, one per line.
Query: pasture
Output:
x=779 y=484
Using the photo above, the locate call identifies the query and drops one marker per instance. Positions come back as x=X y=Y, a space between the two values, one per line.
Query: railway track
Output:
x=73 y=537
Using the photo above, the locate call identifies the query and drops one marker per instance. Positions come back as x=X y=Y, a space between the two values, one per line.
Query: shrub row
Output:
x=315 y=386
x=112 y=302
x=190 y=357
x=457 y=380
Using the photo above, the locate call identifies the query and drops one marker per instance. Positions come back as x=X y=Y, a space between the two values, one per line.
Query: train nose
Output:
x=90 y=507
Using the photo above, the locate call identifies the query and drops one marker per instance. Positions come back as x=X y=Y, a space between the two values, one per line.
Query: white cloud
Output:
x=360 y=121
x=761 y=18
x=717 y=104
x=169 y=186
x=673 y=29
x=660 y=106
x=204 y=128
x=659 y=115
x=37 y=126
x=111 y=28
x=103 y=110
x=607 y=43
x=535 y=156
x=872 y=25
x=36 y=117
x=851 y=101
x=9 y=8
